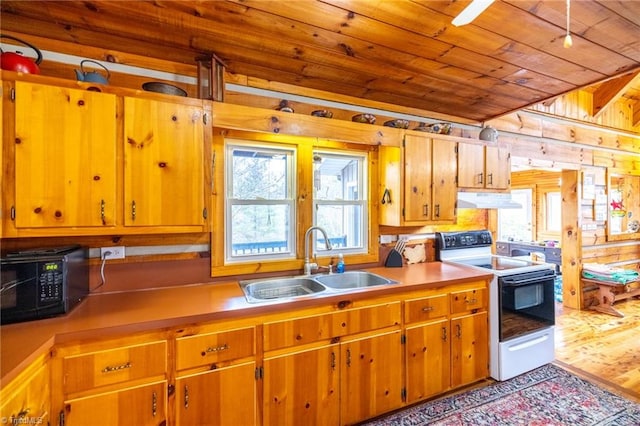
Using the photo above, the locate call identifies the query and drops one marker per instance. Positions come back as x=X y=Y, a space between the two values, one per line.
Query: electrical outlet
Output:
x=116 y=252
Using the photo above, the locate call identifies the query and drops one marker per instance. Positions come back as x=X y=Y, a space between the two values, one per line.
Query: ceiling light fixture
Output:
x=567 y=39
x=471 y=12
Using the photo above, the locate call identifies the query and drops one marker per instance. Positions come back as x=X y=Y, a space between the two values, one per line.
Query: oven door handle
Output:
x=517 y=282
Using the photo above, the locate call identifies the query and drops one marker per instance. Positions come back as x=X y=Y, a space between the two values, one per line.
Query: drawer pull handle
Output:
x=217 y=348
x=109 y=369
x=471 y=301
x=427 y=309
x=186 y=396
x=444 y=334
x=154 y=404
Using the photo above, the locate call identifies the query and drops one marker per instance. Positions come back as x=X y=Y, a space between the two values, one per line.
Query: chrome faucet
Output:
x=308 y=266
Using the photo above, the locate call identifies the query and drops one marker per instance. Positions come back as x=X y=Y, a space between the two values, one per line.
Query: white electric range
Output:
x=521 y=302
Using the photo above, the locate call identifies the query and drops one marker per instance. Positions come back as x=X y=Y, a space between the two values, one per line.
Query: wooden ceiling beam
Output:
x=610 y=91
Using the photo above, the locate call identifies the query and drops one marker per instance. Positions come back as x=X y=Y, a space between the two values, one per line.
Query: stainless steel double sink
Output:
x=291 y=288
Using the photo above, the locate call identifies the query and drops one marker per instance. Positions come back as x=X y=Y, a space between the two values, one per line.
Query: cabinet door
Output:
x=371 y=382
x=226 y=396
x=301 y=388
x=65 y=157
x=417 y=179
x=26 y=400
x=144 y=405
x=163 y=149
x=428 y=360
x=498 y=167
x=444 y=180
x=471 y=165
x=469 y=349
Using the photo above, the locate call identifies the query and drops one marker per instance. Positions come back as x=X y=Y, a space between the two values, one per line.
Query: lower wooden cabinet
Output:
x=469 y=349
x=216 y=383
x=326 y=365
x=27 y=398
x=111 y=381
x=371 y=376
x=143 y=405
x=347 y=369
x=225 y=396
x=446 y=337
x=302 y=387
x=428 y=352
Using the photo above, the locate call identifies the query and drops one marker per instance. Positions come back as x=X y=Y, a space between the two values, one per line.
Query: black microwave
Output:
x=42 y=283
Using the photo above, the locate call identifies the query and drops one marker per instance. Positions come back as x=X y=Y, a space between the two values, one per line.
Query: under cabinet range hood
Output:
x=486 y=200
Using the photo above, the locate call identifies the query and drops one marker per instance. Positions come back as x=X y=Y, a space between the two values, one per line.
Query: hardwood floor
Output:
x=600 y=347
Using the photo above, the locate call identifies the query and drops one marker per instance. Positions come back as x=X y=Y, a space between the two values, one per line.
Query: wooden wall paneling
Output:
x=528 y=122
x=554 y=154
x=571 y=241
x=625 y=164
x=612 y=253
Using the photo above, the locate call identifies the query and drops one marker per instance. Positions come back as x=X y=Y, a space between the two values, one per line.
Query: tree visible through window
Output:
x=260 y=212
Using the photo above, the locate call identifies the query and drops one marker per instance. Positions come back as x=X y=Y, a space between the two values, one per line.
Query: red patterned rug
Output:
x=548 y=396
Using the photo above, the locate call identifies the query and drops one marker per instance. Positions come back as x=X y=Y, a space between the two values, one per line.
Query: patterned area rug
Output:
x=548 y=396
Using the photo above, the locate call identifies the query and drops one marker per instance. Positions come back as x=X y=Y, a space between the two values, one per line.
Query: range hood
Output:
x=486 y=200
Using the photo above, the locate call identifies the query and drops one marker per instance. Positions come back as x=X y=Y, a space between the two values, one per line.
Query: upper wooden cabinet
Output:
x=483 y=167
x=80 y=162
x=418 y=182
x=65 y=157
x=163 y=173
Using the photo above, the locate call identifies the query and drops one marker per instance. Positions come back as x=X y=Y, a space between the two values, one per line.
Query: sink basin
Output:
x=280 y=288
x=353 y=279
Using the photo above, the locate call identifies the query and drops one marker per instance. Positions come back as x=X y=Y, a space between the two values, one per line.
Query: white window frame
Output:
x=362 y=202
x=289 y=200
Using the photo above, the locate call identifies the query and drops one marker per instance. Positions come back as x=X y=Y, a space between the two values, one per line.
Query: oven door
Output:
x=526 y=303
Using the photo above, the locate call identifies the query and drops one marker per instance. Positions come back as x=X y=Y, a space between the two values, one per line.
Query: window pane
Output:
x=260 y=210
x=554 y=211
x=340 y=200
x=516 y=224
x=343 y=224
x=259 y=174
x=336 y=177
x=260 y=229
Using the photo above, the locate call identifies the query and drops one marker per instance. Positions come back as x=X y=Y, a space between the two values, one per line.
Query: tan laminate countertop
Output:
x=153 y=309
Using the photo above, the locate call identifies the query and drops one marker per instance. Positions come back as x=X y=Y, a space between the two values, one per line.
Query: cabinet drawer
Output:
x=299 y=331
x=502 y=249
x=203 y=349
x=107 y=367
x=553 y=255
x=468 y=300
x=426 y=308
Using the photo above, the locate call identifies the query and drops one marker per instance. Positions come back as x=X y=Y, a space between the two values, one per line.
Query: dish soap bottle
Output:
x=340 y=265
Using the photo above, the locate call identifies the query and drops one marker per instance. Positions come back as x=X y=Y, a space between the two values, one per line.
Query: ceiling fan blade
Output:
x=471 y=12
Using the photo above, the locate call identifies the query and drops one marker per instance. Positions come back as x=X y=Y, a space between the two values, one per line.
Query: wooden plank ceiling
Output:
x=400 y=52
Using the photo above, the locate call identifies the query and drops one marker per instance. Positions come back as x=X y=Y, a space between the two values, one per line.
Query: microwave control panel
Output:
x=50 y=281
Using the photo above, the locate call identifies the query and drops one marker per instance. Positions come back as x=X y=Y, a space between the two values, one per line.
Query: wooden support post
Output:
x=571 y=241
